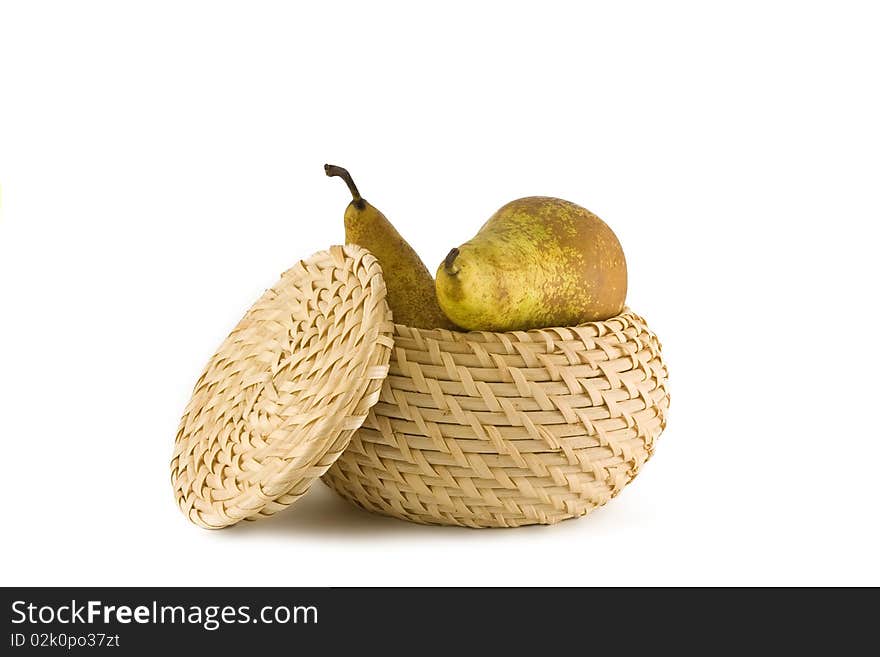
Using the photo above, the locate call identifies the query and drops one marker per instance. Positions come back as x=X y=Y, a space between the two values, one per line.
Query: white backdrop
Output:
x=161 y=164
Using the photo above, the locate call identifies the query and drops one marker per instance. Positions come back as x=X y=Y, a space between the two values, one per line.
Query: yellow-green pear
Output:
x=538 y=262
x=410 y=287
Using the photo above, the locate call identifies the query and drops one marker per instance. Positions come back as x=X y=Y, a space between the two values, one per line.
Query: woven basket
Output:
x=507 y=429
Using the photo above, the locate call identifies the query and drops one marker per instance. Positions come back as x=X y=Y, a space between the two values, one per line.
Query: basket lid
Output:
x=281 y=398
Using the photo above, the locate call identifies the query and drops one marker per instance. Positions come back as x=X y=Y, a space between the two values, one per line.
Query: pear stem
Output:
x=449 y=263
x=332 y=170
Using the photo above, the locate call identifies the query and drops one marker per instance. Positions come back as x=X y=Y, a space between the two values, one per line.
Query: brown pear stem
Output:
x=332 y=170
x=449 y=264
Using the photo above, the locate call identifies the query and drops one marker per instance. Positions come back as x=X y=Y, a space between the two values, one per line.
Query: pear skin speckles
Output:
x=537 y=262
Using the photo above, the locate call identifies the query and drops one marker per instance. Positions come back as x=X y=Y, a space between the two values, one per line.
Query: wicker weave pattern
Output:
x=508 y=429
x=282 y=396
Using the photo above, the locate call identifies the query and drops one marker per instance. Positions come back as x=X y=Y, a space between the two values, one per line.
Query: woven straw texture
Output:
x=508 y=429
x=280 y=399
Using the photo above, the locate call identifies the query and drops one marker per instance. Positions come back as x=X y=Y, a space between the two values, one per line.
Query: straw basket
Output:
x=507 y=429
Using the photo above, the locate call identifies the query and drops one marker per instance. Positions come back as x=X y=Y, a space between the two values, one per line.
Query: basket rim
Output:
x=601 y=326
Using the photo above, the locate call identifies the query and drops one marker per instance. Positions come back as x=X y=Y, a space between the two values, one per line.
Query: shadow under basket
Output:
x=490 y=429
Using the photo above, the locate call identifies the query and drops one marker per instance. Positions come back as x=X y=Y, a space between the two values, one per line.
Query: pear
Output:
x=538 y=262
x=410 y=287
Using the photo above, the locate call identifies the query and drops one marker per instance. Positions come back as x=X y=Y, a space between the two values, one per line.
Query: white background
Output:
x=161 y=164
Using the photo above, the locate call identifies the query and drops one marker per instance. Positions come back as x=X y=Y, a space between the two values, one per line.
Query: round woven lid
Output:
x=280 y=399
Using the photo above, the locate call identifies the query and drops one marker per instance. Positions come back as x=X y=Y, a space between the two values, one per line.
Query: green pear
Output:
x=538 y=262
x=410 y=287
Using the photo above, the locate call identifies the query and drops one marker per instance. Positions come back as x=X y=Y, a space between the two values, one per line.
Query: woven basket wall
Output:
x=508 y=429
